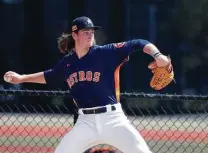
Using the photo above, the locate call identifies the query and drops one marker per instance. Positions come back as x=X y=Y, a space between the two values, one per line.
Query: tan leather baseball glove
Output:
x=162 y=76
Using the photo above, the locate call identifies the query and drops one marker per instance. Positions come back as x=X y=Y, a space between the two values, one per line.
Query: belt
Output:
x=97 y=110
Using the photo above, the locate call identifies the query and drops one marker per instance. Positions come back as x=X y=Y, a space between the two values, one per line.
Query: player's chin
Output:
x=89 y=43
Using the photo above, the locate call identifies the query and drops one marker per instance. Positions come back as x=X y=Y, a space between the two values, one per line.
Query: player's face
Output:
x=85 y=38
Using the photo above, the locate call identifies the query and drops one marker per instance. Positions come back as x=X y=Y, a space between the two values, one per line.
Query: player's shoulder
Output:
x=68 y=57
x=101 y=47
x=96 y=48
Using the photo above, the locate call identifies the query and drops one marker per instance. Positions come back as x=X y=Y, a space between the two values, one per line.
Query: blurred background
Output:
x=28 y=43
x=29 y=31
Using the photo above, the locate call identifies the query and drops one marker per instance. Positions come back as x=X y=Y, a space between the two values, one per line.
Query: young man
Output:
x=92 y=74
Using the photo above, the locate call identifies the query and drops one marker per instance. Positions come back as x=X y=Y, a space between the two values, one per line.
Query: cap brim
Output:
x=96 y=27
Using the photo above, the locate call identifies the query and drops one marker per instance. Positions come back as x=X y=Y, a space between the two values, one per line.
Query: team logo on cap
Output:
x=88 y=21
x=74 y=28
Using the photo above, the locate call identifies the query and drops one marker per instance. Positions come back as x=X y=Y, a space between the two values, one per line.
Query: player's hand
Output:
x=13 y=77
x=162 y=61
x=162 y=70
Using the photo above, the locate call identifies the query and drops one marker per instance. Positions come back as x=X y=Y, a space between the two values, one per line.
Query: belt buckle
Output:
x=94 y=111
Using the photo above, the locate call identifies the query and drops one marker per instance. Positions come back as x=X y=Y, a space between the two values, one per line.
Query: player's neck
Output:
x=80 y=51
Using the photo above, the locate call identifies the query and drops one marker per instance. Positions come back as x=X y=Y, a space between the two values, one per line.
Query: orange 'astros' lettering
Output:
x=83 y=76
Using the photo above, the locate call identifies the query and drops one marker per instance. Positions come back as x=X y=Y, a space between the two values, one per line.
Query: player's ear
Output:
x=74 y=35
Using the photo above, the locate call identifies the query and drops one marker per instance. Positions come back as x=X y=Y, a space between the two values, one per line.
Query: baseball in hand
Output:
x=7 y=78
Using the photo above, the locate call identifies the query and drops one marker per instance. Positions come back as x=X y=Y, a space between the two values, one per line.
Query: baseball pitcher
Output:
x=92 y=75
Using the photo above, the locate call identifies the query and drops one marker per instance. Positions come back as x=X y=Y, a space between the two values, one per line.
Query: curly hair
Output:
x=66 y=43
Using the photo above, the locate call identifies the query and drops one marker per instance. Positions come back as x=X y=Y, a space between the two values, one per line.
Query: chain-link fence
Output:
x=35 y=121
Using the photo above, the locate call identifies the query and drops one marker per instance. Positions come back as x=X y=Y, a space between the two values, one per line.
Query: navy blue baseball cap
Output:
x=83 y=23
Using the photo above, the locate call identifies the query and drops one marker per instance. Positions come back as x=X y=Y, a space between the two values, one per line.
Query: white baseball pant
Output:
x=111 y=128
